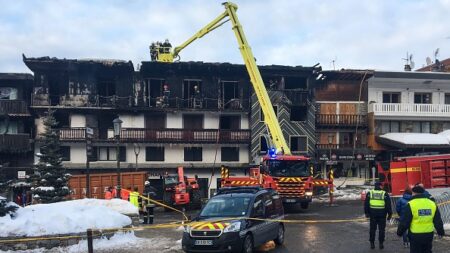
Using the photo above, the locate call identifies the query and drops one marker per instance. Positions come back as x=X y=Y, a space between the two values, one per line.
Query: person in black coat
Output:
x=377 y=207
x=421 y=233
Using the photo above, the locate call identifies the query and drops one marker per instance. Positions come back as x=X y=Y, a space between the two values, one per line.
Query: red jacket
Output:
x=108 y=195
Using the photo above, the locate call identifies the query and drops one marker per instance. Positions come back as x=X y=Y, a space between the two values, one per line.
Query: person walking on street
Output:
x=148 y=207
x=134 y=197
x=400 y=208
x=377 y=207
x=421 y=217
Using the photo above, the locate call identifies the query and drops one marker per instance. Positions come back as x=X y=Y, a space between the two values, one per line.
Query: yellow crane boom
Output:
x=270 y=118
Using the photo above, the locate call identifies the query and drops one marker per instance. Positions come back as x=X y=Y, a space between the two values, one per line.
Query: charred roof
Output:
x=348 y=74
x=16 y=76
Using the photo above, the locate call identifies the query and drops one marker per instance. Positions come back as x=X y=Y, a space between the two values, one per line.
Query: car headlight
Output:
x=308 y=193
x=187 y=229
x=233 y=227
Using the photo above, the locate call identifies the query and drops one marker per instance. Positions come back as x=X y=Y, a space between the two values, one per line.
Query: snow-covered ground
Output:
x=66 y=217
x=347 y=193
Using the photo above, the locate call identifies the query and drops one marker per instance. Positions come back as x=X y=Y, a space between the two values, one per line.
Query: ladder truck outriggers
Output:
x=291 y=175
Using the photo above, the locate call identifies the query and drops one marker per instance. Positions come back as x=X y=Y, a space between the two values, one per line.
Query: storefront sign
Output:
x=324 y=157
x=370 y=157
x=21 y=174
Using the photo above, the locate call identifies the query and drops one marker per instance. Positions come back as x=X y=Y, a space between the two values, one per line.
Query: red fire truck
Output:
x=431 y=170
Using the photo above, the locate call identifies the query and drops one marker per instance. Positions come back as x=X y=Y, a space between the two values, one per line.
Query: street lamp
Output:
x=137 y=150
x=117 y=123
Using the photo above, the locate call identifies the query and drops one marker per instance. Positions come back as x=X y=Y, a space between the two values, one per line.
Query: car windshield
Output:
x=288 y=168
x=226 y=207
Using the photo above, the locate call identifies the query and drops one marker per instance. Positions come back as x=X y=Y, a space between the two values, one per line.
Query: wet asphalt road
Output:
x=343 y=237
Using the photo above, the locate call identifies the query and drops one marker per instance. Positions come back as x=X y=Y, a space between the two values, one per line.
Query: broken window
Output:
x=230 y=154
x=230 y=122
x=8 y=93
x=192 y=93
x=106 y=87
x=299 y=113
x=299 y=143
x=155 y=89
x=192 y=121
x=154 y=154
x=295 y=82
x=193 y=154
x=230 y=94
x=261 y=114
x=62 y=119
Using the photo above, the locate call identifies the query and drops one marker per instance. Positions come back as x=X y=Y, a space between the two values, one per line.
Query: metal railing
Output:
x=341 y=119
x=404 y=109
x=443 y=202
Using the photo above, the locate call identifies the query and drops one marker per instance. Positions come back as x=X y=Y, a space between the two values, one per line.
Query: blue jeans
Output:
x=405 y=237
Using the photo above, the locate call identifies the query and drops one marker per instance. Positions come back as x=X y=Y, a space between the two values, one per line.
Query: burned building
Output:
x=15 y=124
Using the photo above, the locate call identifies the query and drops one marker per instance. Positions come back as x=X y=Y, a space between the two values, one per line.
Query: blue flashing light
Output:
x=272 y=153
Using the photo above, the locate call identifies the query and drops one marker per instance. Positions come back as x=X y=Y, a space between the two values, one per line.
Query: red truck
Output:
x=431 y=170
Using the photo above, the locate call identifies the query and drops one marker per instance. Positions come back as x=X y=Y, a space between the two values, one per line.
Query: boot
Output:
x=372 y=245
x=381 y=245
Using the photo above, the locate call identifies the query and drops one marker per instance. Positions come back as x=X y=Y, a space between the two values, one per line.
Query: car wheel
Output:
x=248 y=244
x=280 y=236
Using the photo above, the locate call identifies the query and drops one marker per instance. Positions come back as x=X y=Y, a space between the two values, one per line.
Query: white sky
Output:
x=354 y=33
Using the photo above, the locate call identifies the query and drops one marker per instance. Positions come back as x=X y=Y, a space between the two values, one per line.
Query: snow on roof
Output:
x=446 y=133
x=417 y=138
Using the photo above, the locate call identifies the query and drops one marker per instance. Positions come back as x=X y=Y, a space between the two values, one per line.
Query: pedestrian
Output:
x=108 y=193
x=400 y=208
x=377 y=207
x=125 y=194
x=426 y=193
x=24 y=198
x=421 y=217
x=148 y=207
x=134 y=197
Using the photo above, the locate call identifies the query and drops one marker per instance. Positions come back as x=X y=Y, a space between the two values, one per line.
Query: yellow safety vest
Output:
x=377 y=199
x=422 y=210
x=134 y=199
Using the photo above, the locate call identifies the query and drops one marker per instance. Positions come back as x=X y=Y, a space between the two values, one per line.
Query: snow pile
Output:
x=347 y=193
x=45 y=188
x=118 y=205
x=417 y=138
x=446 y=134
x=61 y=218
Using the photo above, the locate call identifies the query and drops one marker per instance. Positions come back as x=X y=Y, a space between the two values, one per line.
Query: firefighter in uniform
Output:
x=377 y=207
x=134 y=197
x=421 y=217
x=147 y=206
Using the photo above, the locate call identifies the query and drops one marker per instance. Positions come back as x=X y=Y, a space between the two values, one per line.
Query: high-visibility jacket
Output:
x=124 y=195
x=377 y=199
x=108 y=195
x=423 y=211
x=134 y=199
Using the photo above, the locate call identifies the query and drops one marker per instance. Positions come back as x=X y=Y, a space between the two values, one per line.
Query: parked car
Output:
x=225 y=223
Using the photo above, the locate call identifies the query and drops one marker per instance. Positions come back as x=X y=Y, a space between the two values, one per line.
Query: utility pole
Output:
x=89 y=136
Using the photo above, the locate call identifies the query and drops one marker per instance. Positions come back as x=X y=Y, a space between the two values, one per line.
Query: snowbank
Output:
x=63 y=218
x=417 y=138
x=118 y=205
x=347 y=193
x=446 y=134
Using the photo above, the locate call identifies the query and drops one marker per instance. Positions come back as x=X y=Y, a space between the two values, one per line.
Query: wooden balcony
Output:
x=341 y=120
x=163 y=135
x=410 y=110
x=14 y=107
x=15 y=143
x=338 y=146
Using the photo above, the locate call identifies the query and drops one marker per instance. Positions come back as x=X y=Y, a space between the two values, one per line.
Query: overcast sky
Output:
x=353 y=33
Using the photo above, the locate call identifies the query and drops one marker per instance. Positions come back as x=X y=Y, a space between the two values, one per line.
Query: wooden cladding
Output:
x=13 y=107
x=15 y=143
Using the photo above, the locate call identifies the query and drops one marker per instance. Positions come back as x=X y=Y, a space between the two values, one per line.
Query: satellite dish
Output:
x=428 y=61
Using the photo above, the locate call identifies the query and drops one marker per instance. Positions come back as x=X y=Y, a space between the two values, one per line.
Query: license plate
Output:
x=203 y=242
x=290 y=200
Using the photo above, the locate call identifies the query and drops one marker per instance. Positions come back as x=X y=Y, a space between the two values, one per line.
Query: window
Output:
x=263 y=145
x=447 y=98
x=261 y=114
x=192 y=121
x=230 y=154
x=109 y=154
x=391 y=97
x=422 y=127
x=193 y=154
x=8 y=93
x=346 y=138
x=299 y=113
x=390 y=127
x=65 y=153
x=154 y=154
x=422 y=98
x=258 y=207
x=299 y=143
x=230 y=122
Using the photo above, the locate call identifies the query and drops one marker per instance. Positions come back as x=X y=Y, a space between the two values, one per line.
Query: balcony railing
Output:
x=15 y=107
x=339 y=146
x=341 y=120
x=163 y=135
x=403 y=109
x=15 y=143
x=97 y=101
